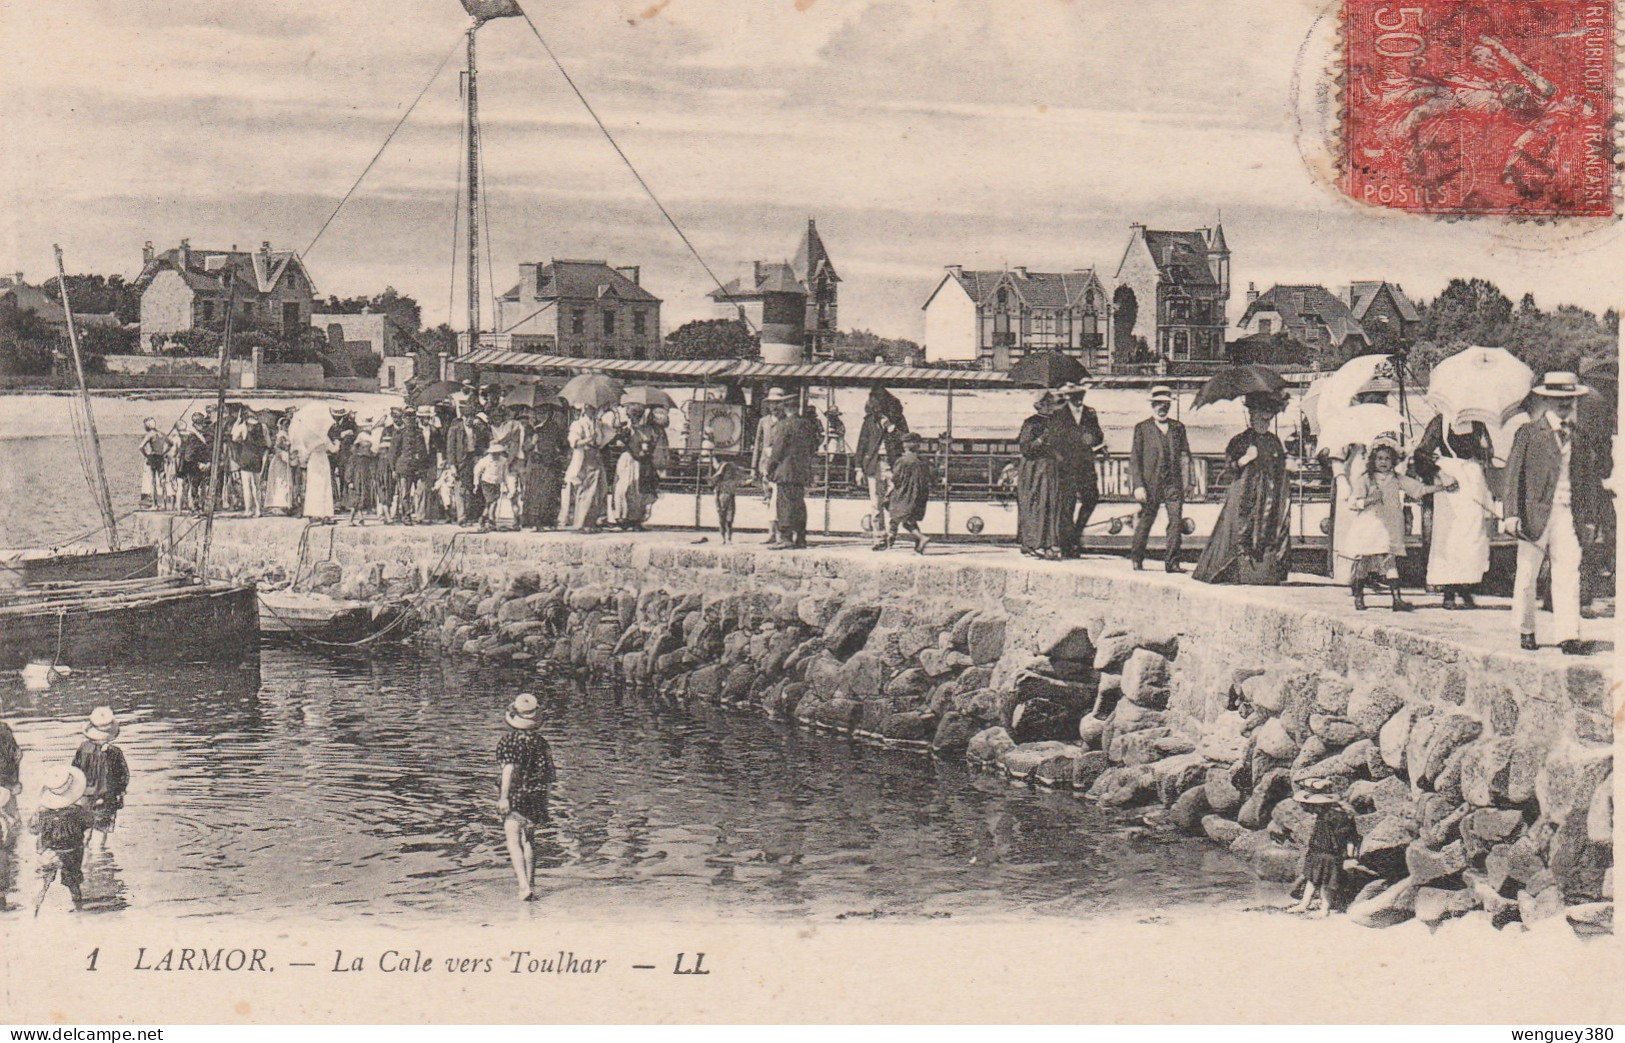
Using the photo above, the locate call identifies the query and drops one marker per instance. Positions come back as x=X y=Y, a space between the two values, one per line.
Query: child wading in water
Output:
x=911 y=481
x=726 y=477
x=1333 y=839
x=527 y=774
x=1376 y=537
x=107 y=774
x=61 y=823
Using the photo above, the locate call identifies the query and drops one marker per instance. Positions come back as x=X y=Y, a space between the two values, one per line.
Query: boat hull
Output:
x=130 y=563
x=211 y=623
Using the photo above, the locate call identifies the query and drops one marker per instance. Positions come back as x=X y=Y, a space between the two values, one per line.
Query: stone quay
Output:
x=1480 y=775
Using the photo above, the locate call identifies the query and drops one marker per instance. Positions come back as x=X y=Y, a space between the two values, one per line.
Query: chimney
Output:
x=1252 y=292
x=1021 y=270
x=186 y=253
x=19 y=276
x=265 y=247
x=957 y=269
x=147 y=253
x=631 y=271
x=530 y=278
x=756 y=267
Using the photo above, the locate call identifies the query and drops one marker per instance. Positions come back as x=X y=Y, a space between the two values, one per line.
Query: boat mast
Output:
x=218 y=439
x=104 y=497
x=472 y=96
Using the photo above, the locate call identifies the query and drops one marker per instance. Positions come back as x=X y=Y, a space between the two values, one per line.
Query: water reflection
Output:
x=328 y=787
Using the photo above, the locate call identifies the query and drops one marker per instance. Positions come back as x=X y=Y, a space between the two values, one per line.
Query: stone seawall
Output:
x=1481 y=779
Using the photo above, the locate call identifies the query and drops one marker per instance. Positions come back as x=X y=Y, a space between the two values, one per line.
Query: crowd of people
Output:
x=475 y=460
x=1548 y=497
x=469 y=459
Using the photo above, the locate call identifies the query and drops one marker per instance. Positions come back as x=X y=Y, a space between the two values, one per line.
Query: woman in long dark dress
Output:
x=1249 y=544
x=546 y=456
x=1038 y=486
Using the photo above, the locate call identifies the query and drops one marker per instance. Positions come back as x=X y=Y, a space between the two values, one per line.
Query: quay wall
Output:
x=1480 y=780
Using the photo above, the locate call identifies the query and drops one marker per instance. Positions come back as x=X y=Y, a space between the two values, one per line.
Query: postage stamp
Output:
x=1496 y=108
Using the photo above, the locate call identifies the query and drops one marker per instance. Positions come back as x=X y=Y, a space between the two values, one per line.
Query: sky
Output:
x=919 y=134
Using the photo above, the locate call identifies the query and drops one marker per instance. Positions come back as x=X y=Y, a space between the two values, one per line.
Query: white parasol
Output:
x=1484 y=384
x=1358 y=425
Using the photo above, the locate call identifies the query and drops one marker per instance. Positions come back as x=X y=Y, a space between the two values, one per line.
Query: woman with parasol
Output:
x=1250 y=541
x=1038 y=485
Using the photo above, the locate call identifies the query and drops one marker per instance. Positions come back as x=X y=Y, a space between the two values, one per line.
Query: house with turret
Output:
x=1169 y=298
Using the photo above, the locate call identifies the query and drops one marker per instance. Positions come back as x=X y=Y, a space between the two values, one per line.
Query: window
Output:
x=1264 y=326
x=640 y=324
x=609 y=322
x=1181 y=344
x=208 y=311
x=578 y=320
x=1179 y=309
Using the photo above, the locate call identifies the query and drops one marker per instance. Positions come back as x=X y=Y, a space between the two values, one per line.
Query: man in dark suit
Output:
x=466 y=442
x=1076 y=437
x=1159 y=468
x=790 y=469
x=1545 y=479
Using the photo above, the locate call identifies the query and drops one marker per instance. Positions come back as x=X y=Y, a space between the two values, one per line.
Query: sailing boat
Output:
x=81 y=609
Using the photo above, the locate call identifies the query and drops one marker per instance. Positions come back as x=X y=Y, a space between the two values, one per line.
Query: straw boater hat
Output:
x=523 y=713
x=1162 y=393
x=427 y=412
x=777 y=395
x=62 y=789
x=1072 y=389
x=101 y=725
x=1560 y=384
x=1045 y=398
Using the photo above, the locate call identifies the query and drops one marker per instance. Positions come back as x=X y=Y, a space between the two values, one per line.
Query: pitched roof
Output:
x=1181 y=257
x=812 y=259
x=580 y=280
x=1218 y=245
x=1305 y=305
x=1363 y=294
x=259 y=271
x=766 y=277
x=1035 y=289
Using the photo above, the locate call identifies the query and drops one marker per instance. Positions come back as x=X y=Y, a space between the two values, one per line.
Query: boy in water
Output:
x=61 y=824
x=107 y=774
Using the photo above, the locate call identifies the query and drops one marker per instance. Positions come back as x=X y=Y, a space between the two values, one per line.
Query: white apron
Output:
x=1460 y=553
x=319 y=485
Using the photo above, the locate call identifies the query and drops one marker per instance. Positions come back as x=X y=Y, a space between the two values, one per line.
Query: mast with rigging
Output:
x=98 y=475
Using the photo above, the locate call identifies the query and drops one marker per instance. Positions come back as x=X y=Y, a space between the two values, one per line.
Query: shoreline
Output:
x=1478 y=776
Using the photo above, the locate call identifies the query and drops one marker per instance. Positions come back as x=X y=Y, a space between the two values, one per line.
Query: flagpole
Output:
x=473 y=109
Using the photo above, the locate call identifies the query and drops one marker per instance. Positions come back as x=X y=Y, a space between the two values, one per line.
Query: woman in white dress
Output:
x=1459 y=553
x=585 y=475
x=319 y=483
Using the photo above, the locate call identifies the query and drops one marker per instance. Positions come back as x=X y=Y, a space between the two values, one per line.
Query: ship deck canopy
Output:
x=741 y=371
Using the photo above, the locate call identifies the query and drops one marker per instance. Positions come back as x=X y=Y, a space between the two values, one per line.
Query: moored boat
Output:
x=165 y=620
x=21 y=568
x=288 y=614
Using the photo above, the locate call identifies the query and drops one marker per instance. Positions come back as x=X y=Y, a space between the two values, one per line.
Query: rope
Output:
x=624 y=158
x=379 y=154
x=532 y=315
x=399 y=622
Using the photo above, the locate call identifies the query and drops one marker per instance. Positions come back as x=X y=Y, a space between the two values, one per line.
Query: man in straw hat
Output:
x=772 y=415
x=527 y=775
x=1159 y=466
x=60 y=823
x=790 y=469
x=107 y=774
x=1541 y=482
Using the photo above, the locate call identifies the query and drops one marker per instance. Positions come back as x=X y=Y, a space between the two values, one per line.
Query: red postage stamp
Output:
x=1493 y=107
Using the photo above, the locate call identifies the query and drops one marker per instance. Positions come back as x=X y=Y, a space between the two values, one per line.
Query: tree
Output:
x=1468 y=311
x=865 y=346
x=403 y=309
x=28 y=346
x=98 y=295
x=712 y=339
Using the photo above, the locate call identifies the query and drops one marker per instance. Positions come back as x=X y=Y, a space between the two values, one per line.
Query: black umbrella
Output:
x=432 y=392
x=1047 y=369
x=532 y=395
x=1236 y=381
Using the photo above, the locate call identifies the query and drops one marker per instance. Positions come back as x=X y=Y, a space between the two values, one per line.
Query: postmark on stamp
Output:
x=1499 y=107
